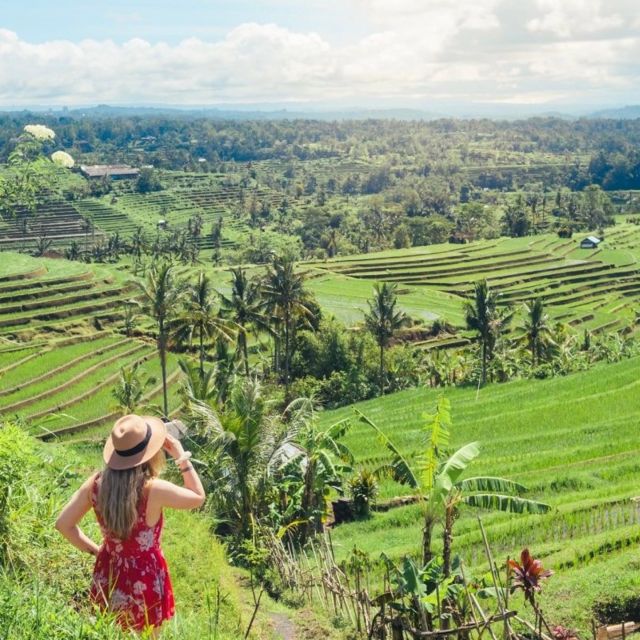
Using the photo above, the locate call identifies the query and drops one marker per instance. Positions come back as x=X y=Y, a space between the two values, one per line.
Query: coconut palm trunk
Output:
x=162 y=350
x=381 y=370
x=242 y=338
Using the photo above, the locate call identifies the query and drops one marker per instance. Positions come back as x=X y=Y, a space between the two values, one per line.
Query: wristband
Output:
x=183 y=458
x=189 y=467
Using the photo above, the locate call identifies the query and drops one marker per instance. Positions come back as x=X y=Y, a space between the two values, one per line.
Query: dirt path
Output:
x=284 y=628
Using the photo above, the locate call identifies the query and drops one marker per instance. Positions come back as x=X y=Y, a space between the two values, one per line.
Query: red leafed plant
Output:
x=562 y=633
x=527 y=575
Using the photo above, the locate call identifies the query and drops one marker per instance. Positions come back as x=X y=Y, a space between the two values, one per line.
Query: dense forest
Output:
x=334 y=188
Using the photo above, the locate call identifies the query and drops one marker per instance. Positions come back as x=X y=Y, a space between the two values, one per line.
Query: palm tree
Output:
x=138 y=243
x=322 y=453
x=129 y=390
x=438 y=482
x=195 y=386
x=287 y=300
x=200 y=318
x=484 y=317
x=160 y=297
x=245 y=308
x=246 y=447
x=383 y=320
x=73 y=251
x=129 y=319
x=537 y=331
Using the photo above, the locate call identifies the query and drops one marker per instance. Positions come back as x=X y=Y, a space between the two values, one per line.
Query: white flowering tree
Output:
x=28 y=172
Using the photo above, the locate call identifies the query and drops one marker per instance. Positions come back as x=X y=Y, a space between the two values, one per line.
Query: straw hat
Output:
x=133 y=441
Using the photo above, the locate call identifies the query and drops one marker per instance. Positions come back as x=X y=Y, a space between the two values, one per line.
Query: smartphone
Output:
x=176 y=428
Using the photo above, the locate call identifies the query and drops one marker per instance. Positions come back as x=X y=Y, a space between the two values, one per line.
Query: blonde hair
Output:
x=120 y=493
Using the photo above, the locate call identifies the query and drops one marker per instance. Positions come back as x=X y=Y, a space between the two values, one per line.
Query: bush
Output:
x=16 y=454
x=363 y=489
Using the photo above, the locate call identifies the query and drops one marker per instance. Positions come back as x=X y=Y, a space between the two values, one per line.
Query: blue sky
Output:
x=172 y=20
x=546 y=54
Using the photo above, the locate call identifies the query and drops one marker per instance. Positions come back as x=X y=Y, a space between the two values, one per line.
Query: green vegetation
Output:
x=41 y=575
x=567 y=439
x=377 y=258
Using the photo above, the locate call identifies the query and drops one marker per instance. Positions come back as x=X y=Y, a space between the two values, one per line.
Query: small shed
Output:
x=113 y=171
x=590 y=242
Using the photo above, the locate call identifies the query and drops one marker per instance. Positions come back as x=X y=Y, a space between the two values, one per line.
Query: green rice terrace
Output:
x=58 y=360
x=571 y=441
x=589 y=289
x=89 y=220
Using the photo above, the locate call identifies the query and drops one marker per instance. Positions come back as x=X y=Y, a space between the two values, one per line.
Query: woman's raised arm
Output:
x=167 y=494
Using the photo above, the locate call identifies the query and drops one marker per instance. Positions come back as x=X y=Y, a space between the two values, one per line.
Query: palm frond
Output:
x=399 y=468
x=491 y=484
x=511 y=504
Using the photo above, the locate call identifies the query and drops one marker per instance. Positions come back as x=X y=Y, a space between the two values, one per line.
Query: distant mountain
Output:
x=107 y=111
x=630 y=112
x=271 y=111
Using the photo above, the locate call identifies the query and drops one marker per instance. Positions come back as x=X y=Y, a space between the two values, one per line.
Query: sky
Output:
x=424 y=54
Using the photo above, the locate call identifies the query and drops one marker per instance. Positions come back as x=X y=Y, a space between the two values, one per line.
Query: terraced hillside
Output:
x=58 y=221
x=594 y=289
x=210 y=196
x=572 y=441
x=176 y=206
x=60 y=351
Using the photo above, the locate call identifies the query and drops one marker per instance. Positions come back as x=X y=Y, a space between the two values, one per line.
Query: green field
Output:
x=572 y=441
x=60 y=348
x=595 y=290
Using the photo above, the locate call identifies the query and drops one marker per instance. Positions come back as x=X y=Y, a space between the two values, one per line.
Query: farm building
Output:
x=114 y=171
x=590 y=242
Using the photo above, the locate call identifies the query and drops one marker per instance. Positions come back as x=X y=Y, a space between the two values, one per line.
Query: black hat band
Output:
x=138 y=448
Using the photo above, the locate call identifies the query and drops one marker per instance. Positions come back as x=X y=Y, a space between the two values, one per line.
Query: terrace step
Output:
x=83 y=426
x=35 y=273
x=36 y=283
x=359 y=271
x=425 y=277
x=61 y=368
x=107 y=381
x=60 y=313
x=47 y=301
x=65 y=385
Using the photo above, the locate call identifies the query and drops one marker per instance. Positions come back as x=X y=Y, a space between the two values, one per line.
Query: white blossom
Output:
x=40 y=132
x=63 y=159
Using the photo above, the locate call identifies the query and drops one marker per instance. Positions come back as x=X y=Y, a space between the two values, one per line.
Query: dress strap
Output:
x=144 y=499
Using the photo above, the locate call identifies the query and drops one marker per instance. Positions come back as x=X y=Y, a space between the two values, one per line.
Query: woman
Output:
x=130 y=576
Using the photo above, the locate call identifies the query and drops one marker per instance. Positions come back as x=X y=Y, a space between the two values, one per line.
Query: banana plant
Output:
x=439 y=483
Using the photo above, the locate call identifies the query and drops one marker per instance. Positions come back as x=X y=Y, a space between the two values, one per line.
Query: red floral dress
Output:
x=130 y=577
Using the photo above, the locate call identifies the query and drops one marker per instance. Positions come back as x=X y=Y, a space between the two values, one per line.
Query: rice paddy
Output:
x=572 y=441
x=59 y=353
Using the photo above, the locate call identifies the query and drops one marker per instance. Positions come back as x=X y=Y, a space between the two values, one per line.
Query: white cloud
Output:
x=565 y=18
x=415 y=50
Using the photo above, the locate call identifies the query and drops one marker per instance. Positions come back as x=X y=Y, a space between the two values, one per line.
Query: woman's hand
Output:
x=173 y=447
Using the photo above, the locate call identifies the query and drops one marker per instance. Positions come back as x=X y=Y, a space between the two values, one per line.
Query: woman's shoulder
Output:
x=90 y=485
x=157 y=485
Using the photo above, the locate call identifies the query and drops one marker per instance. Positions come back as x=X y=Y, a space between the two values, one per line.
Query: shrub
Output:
x=363 y=489
x=16 y=454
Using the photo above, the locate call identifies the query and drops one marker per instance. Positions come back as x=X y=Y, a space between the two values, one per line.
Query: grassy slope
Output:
x=347 y=297
x=41 y=601
x=572 y=441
